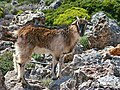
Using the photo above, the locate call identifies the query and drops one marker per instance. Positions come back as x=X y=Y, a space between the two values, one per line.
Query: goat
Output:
x=33 y=39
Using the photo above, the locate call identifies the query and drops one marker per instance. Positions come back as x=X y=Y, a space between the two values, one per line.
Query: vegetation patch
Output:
x=46 y=82
x=84 y=41
x=6 y=63
x=69 y=16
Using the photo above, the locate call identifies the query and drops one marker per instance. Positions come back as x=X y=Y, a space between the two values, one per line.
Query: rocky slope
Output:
x=95 y=69
x=91 y=70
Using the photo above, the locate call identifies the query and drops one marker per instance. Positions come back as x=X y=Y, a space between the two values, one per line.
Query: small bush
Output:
x=6 y=63
x=84 y=42
x=69 y=16
x=36 y=56
x=1 y=12
x=46 y=81
x=19 y=12
x=30 y=66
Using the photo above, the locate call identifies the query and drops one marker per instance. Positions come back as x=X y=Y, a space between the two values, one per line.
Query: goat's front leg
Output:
x=60 y=64
x=54 y=65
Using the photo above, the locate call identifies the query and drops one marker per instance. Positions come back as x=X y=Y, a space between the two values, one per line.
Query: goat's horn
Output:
x=85 y=17
x=77 y=18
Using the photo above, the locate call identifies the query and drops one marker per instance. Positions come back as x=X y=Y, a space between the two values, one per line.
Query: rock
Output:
x=79 y=77
x=68 y=85
x=56 y=4
x=6 y=45
x=117 y=71
x=9 y=17
x=110 y=81
x=28 y=17
x=39 y=72
x=6 y=35
x=88 y=57
x=78 y=49
x=68 y=57
x=115 y=51
x=5 y=22
x=105 y=31
x=14 y=3
x=12 y=83
x=55 y=85
x=2 y=84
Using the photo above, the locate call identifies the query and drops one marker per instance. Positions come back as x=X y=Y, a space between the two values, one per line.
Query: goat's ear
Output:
x=77 y=18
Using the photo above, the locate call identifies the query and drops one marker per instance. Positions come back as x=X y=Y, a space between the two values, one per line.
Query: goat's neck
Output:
x=74 y=31
x=75 y=35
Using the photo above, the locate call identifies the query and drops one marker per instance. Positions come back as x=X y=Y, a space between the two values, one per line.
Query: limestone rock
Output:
x=55 y=85
x=105 y=31
x=56 y=4
x=28 y=17
x=69 y=85
x=115 y=51
x=12 y=83
x=110 y=81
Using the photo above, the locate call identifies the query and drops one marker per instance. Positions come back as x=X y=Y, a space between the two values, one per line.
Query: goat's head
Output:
x=81 y=25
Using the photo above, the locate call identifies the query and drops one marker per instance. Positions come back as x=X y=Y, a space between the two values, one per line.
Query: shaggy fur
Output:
x=33 y=39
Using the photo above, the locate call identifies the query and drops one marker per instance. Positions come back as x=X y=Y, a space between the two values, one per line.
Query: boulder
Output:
x=105 y=31
x=56 y=4
x=29 y=17
x=56 y=85
x=14 y=2
x=110 y=80
x=115 y=51
x=12 y=83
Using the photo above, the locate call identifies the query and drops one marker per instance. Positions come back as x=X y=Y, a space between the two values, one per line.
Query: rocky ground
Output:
x=91 y=70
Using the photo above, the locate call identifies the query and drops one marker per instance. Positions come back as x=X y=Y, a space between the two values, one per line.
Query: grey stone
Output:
x=110 y=81
x=105 y=31
x=55 y=85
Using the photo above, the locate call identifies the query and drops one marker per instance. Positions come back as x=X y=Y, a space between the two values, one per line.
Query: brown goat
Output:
x=33 y=39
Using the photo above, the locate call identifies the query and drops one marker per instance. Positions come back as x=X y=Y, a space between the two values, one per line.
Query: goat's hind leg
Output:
x=15 y=63
x=21 y=71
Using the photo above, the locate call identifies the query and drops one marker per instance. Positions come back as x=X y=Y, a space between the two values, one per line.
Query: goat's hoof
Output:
x=54 y=78
x=23 y=82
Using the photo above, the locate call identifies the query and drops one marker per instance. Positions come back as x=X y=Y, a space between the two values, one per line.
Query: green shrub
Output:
x=46 y=82
x=111 y=7
x=3 y=3
x=19 y=12
x=30 y=66
x=1 y=12
x=84 y=41
x=6 y=63
x=36 y=56
x=69 y=15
